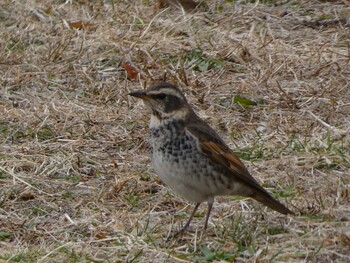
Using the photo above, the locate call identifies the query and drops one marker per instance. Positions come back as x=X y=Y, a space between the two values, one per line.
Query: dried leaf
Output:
x=81 y=25
x=188 y=5
x=27 y=196
x=130 y=70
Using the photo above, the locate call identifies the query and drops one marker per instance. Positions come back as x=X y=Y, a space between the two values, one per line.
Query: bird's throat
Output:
x=155 y=121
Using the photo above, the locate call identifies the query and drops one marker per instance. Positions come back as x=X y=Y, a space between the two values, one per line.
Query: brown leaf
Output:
x=101 y=236
x=81 y=25
x=188 y=5
x=130 y=70
x=27 y=196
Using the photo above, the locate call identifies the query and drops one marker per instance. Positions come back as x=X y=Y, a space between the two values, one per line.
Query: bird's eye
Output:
x=161 y=96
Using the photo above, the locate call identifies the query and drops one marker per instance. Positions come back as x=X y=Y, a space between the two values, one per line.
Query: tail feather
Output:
x=266 y=199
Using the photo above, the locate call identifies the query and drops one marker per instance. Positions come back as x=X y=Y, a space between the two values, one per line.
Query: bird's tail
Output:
x=268 y=200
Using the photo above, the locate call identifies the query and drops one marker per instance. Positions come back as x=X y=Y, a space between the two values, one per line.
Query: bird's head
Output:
x=165 y=100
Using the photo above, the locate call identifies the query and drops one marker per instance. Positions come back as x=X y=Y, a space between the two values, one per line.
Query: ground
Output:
x=272 y=77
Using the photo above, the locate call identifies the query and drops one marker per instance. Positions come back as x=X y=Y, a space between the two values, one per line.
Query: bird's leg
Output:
x=189 y=220
x=210 y=205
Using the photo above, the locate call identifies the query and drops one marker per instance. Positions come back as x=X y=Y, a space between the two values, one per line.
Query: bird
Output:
x=191 y=158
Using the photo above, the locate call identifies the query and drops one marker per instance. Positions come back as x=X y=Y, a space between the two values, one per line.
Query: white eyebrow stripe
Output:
x=166 y=91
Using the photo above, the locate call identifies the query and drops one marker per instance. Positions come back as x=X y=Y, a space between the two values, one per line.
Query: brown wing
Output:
x=216 y=150
x=221 y=154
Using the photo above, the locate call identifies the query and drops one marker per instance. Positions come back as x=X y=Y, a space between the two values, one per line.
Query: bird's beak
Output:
x=139 y=94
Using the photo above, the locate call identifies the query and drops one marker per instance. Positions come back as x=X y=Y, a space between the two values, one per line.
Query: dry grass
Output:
x=76 y=185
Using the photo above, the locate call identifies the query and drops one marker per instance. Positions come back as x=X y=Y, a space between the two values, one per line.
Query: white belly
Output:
x=181 y=179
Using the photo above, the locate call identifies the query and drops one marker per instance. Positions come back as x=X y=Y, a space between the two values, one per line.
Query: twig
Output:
x=325 y=123
x=52 y=251
x=22 y=181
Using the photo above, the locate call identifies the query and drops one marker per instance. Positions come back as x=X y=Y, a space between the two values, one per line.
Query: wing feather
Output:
x=216 y=150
